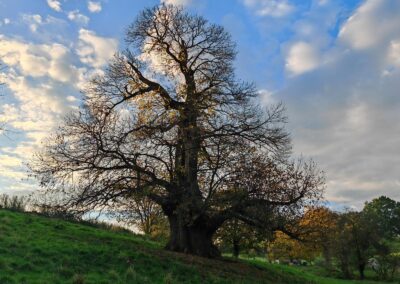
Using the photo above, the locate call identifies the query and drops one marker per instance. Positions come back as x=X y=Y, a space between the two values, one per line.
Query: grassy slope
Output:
x=306 y=273
x=35 y=249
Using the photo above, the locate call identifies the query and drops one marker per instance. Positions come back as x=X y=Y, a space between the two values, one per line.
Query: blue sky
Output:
x=334 y=63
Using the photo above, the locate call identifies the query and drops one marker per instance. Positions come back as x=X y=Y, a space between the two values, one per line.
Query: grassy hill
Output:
x=36 y=249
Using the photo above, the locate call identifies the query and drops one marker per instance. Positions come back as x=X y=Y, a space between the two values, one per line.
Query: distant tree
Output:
x=314 y=232
x=319 y=225
x=144 y=214
x=363 y=238
x=342 y=246
x=382 y=216
x=384 y=213
x=238 y=237
x=14 y=202
x=168 y=120
x=357 y=241
x=379 y=220
x=231 y=234
x=282 y=247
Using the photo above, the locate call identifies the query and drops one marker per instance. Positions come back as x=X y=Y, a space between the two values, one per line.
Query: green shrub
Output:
x=385 y=266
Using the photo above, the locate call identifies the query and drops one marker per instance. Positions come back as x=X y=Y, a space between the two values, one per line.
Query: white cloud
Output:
x=272 y=8
x=394 y=53
x=40 y=78
x=9 y=161
x=42 y=82
x=37 y=18
x=77 y=17
x=94 y=7
x=344 y=116
x=372 y=24
x=40 y=103
x=302 y=57
x=36 y=114
x=6 y=21
x=266 y=97
x=33 y=21
x=55 y=5
x=177 y=2
x=95 y=50
x=356 y=117
x=323 y=2
x=52 y=60
x=71 y=99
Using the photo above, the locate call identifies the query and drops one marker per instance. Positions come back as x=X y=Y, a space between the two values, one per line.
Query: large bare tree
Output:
x=169 y=121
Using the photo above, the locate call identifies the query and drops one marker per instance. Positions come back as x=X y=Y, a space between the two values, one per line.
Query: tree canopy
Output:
x=384 y=213
x=169 y=121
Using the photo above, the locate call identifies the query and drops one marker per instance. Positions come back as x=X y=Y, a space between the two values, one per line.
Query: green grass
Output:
x=36 y=249
x=309 y=273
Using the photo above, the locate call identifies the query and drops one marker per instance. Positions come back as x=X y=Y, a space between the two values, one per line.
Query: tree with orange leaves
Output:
x=313 y=230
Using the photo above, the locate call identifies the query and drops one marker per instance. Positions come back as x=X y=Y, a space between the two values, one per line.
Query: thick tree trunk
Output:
x=192 y=239
x=236 y=248
x=361 y=268
x=344 y=266
x=327 y=257
x=346 y=272
x=361 y=263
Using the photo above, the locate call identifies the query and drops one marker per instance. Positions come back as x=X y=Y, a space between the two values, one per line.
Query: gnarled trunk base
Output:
x=193 y=239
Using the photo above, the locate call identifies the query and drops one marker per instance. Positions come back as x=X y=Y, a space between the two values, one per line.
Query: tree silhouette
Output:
x=169 y=121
